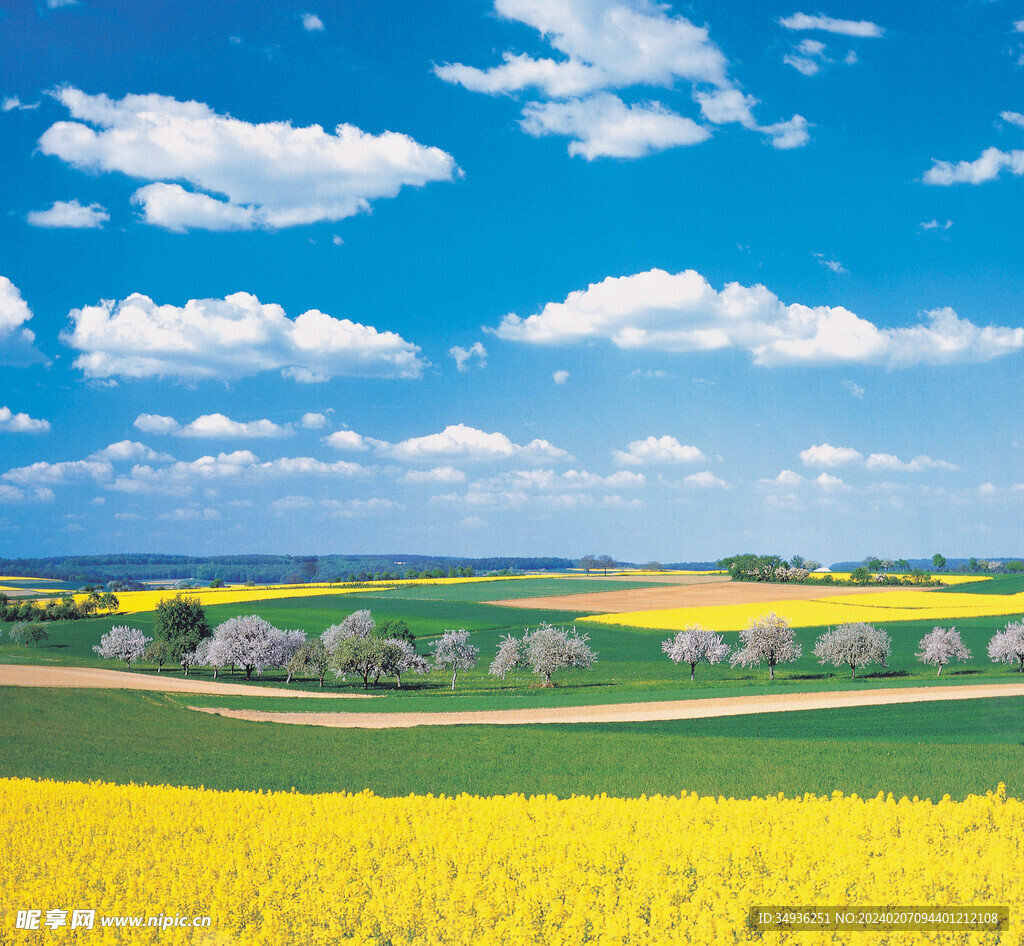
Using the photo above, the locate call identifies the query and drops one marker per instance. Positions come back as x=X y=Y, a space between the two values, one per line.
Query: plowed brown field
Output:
x=685 y=596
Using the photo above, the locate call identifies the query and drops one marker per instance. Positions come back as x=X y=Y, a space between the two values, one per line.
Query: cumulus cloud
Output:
x=830 y=263
x=48 y=474
x=681 y=312
x=14 y=494
x=603 y=126
x=311 y=23
x=560 y=377
x=17 y=343
x=615 y=45
x=462 y=441
x=243 y=176
x=238 y=466
x=313 y=420
x=987 y=167
x=705 y=480
x=228 y=339
x=349 y=440
x=830 y=483
x=887 y=461
x=826 y=455
x=935 y=225
x=13 y=104
x=859 y=28
x=807 y=57
x=130 y=451
x=190 y=514
x=21 y=423
x=854 y=389
x=664 y=449
x=211 y=425
x=438 y=474
x=69 y=214
x=546 y=488
x=463 y=356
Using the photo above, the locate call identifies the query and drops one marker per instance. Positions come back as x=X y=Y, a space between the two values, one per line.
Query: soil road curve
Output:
x=17 y=675
x=632 y=712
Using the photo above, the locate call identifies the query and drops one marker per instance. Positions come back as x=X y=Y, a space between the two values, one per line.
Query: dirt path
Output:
x=632 y=712
x=17 y=675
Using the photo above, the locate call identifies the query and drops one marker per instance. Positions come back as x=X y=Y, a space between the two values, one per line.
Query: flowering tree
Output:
x=454 y=652
x=544 y=651
x=196 y=657
x=122 y=643
x=853 y=645
x=250 y=642
x=769 y=639
x=357 y=624
x=285 y=647
x=159 y=652
x=940 y=646
x=1008 y=645
x=311 y=657
x=694 y=644
x=401 y=657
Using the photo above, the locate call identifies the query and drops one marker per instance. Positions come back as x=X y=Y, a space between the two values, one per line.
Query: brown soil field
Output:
x=17 y=675
x=685 y=596
x=632 y=712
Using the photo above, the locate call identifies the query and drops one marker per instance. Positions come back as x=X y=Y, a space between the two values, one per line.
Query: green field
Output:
x=926 y=750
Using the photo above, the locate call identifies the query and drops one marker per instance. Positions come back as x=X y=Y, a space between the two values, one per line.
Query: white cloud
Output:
x=69 y=214
x=61 y=4
x=126 y=451
x=156 y=424
x=230 y=338
x=348 y=440
x=545 y=488
x=935 y=225
x=238 y=466
x=358 y=508
x=289 y=504
x=826 y=455
x=272 y=174
x=217 y=425
x=43 y=473
x=460 y=440
x=603 y=126
x=1014 y=118
x=463 y=356
x=13 y=104
x=829 y=263
x=612 y=45
x=664 y=449
x=560 y=377
x=788 y=478
x=210 y=425
x=1018 y=26
x=681 y=312
x=311 y=23
x=830 y=483
x=887 y=461
x=860 y=28
x=17 y=343
x=21 y=423
x=190 y=515
x=985 y=168
x=808 y=57
x=705 y=480
x=439 y=474
x=854 y=389
x=13 y=494
x=313 y=420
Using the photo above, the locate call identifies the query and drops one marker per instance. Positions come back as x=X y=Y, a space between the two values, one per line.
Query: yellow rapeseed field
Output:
x=284 y=868
x=136 y=602
x=897 y=605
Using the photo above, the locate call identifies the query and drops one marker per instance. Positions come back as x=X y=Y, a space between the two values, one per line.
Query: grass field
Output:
x=926 y=750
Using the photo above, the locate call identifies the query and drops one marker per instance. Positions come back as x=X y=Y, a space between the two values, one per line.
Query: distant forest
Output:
x=261 y=569
x=266 y=569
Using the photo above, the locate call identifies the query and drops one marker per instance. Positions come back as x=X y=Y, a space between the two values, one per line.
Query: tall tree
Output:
x=181 y=621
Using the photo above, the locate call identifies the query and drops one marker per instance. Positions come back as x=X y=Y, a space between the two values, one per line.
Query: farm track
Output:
x=99 y=679
x=631 y=712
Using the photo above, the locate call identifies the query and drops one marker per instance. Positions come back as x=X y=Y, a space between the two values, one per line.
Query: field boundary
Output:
x=629 y=712
x=28 y=675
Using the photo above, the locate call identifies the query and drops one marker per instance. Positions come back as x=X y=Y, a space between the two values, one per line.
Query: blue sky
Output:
x=473 y=277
